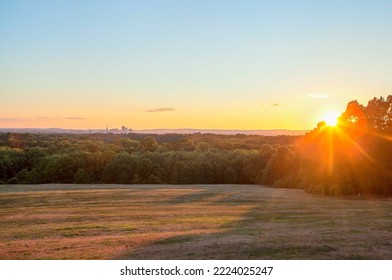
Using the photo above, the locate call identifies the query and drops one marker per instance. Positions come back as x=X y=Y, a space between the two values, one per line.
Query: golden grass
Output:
x=189 y=222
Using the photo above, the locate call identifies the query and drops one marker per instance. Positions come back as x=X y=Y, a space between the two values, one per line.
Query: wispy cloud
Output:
x=158 y=110
x=14 y=120
x=74 y=118
x=11 y=120
x=59 y=118
x=275 y=104
x=317 y=95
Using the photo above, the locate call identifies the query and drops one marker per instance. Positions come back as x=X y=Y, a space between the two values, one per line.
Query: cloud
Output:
x=11 y=120
x=59 y=118
x=274 y=104
x=317 y=95
x=74 y=118
x=15 y=120
x=158 y=110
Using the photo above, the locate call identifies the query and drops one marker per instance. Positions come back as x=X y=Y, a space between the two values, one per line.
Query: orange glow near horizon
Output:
x=200 y=116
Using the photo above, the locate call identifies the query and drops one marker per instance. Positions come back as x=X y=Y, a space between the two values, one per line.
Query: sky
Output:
x=190 y=64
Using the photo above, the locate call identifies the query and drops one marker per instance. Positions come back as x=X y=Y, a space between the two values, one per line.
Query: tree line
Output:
x=137 y=159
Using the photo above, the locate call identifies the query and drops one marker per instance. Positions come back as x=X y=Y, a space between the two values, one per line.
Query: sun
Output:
x=331 y=118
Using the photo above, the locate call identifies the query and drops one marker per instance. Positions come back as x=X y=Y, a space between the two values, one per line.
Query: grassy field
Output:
x=189 y=222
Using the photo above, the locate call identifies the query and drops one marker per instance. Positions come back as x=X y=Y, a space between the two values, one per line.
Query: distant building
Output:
x=123 y=130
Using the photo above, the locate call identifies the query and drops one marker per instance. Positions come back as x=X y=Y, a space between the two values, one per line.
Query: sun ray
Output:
x=354 y=143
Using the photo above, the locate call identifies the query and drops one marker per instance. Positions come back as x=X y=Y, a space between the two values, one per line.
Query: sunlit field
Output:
x=189 y=222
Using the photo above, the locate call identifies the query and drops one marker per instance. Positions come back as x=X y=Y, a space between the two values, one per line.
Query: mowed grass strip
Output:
x=190 y=222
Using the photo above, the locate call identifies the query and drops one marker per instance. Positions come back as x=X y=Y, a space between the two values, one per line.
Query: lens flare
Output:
x=331 y=118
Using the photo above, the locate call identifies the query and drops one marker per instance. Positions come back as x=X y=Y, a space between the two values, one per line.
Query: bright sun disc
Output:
x=331 y=118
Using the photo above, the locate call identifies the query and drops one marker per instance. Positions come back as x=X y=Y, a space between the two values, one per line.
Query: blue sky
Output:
x=216 y=64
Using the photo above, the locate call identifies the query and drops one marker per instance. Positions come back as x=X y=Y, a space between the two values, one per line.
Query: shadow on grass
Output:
x=191 y=197
x=242 y=239
x=274 y=226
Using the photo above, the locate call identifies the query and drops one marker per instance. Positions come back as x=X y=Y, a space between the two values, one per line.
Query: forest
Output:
x=353 y=157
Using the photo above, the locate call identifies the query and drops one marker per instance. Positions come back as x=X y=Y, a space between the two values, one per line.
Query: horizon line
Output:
x=143 y=129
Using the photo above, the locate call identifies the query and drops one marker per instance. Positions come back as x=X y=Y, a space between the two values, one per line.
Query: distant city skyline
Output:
x=190 y=64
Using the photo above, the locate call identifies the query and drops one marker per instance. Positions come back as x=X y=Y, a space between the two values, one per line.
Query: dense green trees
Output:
x=12 y=160
x=136 y=159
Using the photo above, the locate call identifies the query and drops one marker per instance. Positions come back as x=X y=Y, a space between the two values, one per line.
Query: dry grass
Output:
x=189 y=222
